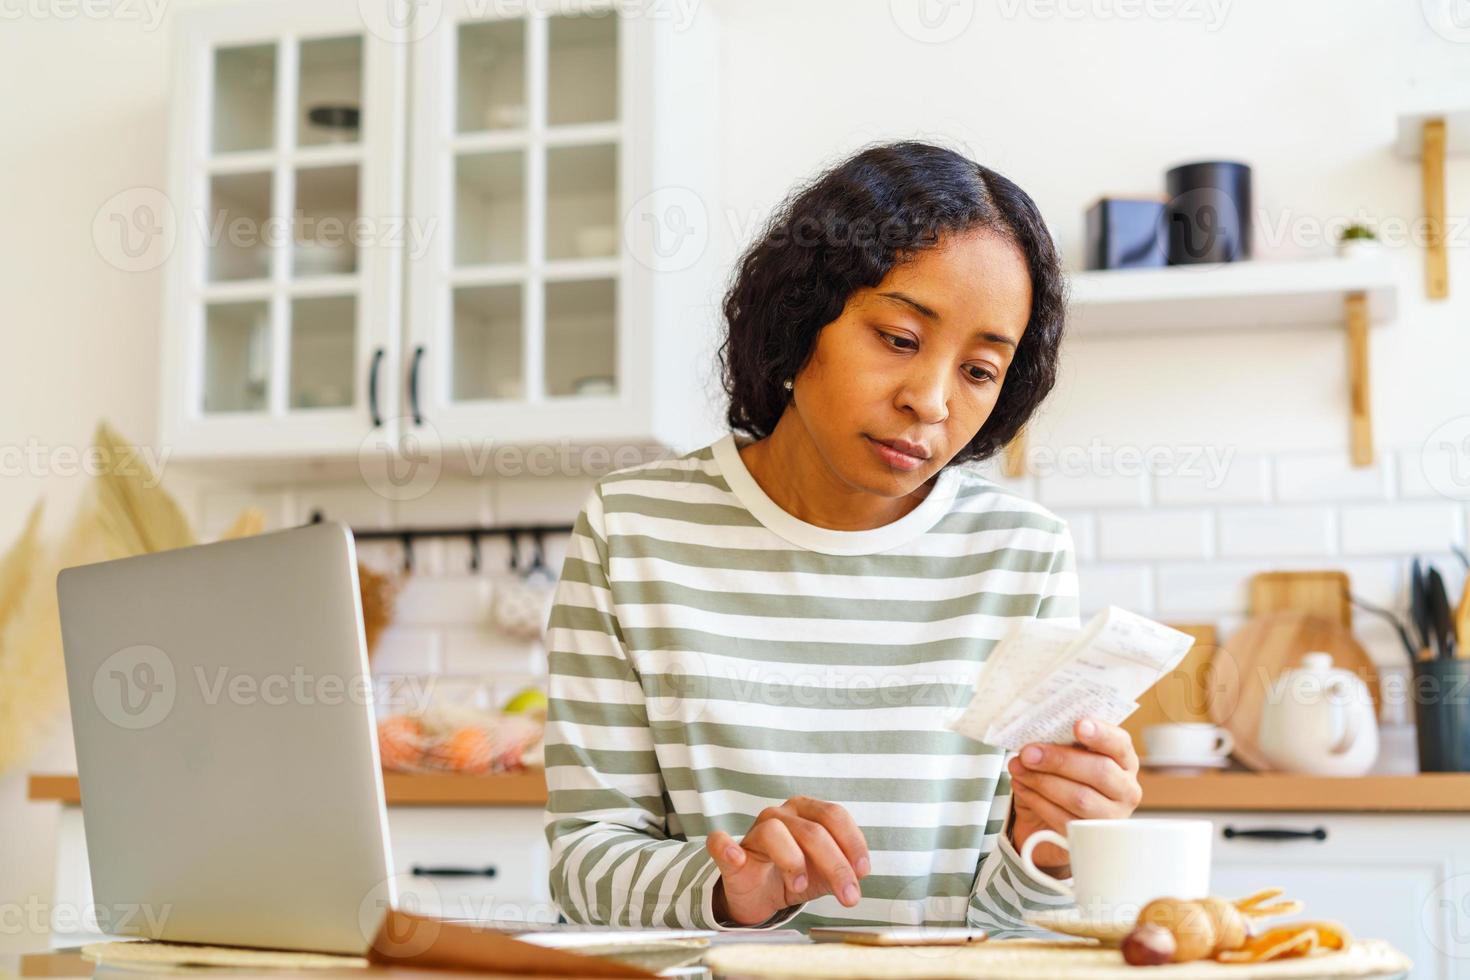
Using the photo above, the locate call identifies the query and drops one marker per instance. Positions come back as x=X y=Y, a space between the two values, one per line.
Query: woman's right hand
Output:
x=800 y=850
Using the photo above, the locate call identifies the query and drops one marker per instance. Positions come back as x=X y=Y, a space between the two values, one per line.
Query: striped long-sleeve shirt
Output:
x=711 y=655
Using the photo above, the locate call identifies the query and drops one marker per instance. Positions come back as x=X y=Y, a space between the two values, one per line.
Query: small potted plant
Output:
x=1357 y=240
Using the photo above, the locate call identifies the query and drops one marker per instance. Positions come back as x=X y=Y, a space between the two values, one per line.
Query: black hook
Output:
x=407 y=540
x=474 y=552
x=538 y=559
x=515 y=550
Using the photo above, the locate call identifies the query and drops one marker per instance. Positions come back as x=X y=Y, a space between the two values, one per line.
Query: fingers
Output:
x=1112 y=741
x=773 y=839
x=1045 y=810
x=728 y=855
x=823 y=854
x=1078 y=800
x=1079 y=765
x=840 y=826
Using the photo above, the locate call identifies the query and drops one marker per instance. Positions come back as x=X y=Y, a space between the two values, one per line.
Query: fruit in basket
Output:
x=400 y=742
x=525 y=700
x=468 y=750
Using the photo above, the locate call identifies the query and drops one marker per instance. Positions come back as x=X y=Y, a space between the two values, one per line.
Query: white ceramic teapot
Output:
x=1319 y=719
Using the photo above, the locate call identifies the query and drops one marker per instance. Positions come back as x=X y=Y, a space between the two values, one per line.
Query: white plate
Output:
x=1110 y=930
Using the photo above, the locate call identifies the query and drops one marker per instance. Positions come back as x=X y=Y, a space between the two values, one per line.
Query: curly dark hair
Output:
x=844 y=231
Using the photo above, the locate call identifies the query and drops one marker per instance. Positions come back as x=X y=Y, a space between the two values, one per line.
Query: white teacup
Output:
x=1192 y=741
x=1118 y=866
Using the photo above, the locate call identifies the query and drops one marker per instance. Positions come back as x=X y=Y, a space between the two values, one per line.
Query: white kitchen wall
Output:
x=1071 y=98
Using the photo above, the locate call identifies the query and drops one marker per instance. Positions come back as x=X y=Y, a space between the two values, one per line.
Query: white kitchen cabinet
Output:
x=1400 y=877
x=472 y=862
x=441 y=856
x=512 y=247
x=283 y=297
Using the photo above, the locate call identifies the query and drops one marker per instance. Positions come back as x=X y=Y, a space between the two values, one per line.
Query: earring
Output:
x=786 y=384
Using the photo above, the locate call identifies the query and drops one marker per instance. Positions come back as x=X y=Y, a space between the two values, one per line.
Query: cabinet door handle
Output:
x=420 y=871
x=1276 y=833
x=413 y=385
x=373 y=388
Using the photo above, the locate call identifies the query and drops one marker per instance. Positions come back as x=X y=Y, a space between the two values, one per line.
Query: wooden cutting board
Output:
x=1179 y=696
x=1323 y=593
x=1243 y=669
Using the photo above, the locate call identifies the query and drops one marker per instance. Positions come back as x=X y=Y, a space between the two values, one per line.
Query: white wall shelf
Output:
x=1232 y=295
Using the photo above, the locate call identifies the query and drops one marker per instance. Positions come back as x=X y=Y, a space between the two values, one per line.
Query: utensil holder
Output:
x=1441 y=693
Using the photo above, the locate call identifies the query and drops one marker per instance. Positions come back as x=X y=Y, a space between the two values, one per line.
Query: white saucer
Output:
x=1192 y=763
x=1107 y=929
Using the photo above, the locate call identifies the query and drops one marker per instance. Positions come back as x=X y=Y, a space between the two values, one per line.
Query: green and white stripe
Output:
x=711 y=655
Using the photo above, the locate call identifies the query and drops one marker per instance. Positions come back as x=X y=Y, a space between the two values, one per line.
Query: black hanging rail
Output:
x=472 y=533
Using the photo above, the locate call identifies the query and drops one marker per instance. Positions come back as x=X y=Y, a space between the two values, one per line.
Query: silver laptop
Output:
x=222 y=710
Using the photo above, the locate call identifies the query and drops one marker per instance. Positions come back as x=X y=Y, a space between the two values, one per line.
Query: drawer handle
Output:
x=1277 y=833
x=421 y=871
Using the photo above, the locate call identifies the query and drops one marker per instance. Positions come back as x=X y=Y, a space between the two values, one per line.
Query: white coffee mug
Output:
x=1187 y=740
x=1118 y=866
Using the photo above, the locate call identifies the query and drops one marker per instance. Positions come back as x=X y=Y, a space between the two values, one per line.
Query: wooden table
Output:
x=69 y=963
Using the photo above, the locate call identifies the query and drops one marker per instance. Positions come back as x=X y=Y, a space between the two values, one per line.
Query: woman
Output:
x=755 y=646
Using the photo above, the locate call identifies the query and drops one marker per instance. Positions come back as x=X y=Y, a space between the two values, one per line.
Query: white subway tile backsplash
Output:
x=488 y=652
x=447 y=601
x=1441 y=472
x=1219 y=476
x=1124 y=535
x=1129 y=586
x=1056 y=489
x=1377 y=529
x=1204 y=589
x=1331 y=476
x=405 y=650
x=1247 y=532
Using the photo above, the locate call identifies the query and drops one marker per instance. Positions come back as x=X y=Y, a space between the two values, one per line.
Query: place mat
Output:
x=1001 y=959
x=152 y=953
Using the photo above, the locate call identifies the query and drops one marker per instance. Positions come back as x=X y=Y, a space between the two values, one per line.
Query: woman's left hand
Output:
x=1052 y=785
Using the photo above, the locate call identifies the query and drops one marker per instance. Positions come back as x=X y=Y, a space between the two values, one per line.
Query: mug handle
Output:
x=1224 y=743
x=1029 y=848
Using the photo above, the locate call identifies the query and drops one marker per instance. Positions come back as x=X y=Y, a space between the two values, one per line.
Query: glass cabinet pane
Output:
x=581 y=337
x=237 y=226
x=581 y=202
x=324 y=221
x=490 y=208
x=330 y=91
x=323 y=351
x=236 y=356
x=492 y=75
x=487 y=343
x=582 y=69
x=244 y=108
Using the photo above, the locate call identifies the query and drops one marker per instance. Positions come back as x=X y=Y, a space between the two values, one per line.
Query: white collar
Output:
x=827 y=540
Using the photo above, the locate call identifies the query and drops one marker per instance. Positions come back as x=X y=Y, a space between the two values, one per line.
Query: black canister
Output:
x=1441 y=693
x=1209 y=212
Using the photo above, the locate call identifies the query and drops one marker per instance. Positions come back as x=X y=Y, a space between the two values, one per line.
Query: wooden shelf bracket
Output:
x=1355 y=312
x=1436 y=259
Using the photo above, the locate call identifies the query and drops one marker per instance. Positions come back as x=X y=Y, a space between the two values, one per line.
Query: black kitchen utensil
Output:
x=1440 y=619
x=1419 y=605
x=1441 y=695
x=1382 y=613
